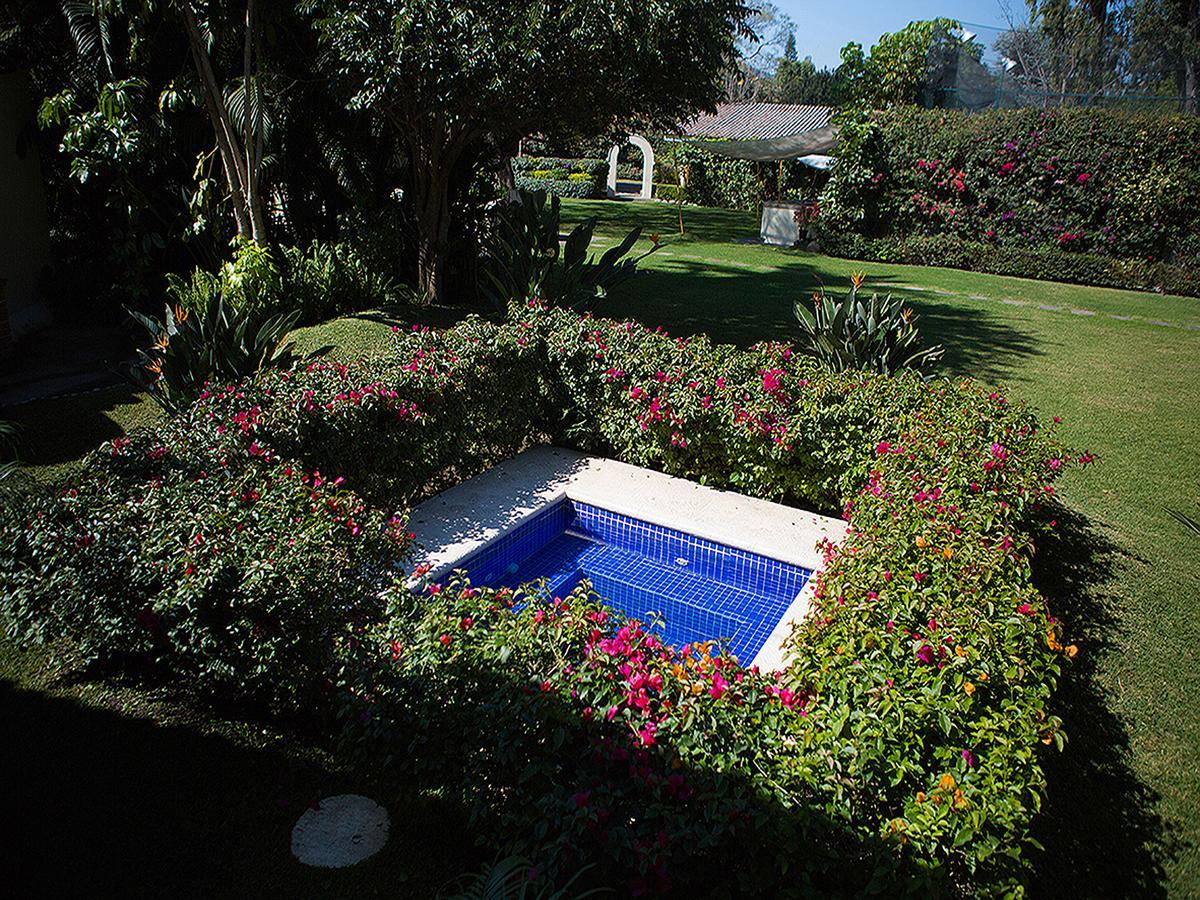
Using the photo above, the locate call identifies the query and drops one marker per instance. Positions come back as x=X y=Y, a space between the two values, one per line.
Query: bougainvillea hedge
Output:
x=1078 y=186
x=900 y=747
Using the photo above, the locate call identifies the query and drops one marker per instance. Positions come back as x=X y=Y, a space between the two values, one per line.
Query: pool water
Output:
x=695 y=588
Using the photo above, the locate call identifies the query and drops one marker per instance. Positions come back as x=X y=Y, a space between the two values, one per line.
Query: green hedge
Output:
x=720 y=181
x=1087 y=195
x=902 y=745
x=1027 y=262
x=579 y=178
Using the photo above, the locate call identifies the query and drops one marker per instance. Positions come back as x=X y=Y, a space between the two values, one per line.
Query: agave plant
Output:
x=9 y=447
x=219 y=342
x=523 y=259
x=515 y=878
x=876 y=334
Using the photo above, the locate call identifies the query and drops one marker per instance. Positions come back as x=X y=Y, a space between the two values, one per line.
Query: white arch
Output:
x=647 y=167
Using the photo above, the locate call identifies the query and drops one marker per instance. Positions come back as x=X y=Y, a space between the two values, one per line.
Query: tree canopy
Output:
x=462 y=82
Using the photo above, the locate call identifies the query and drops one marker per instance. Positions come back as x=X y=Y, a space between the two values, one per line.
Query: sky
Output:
x=823 y=28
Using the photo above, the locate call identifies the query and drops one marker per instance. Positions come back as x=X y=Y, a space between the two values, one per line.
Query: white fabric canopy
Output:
x=795 y=146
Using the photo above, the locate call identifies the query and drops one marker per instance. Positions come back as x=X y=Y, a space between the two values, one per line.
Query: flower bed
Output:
x=901 y=743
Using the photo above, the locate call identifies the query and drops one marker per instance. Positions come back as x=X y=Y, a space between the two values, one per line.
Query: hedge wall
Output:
x=580 y=178
x=243 y=547
x=1088 y=195
x=720 y=181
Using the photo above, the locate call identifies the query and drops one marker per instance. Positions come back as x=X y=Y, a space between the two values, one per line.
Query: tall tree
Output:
x=462 y=82
x=119 y=39
x=906 y=66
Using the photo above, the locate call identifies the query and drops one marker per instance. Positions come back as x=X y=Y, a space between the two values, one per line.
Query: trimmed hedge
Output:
x=1024 y=262
x=579 y=178
x=901 y=747
x=1087 y=195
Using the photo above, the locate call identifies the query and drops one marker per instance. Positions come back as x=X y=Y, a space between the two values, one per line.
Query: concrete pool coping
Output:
x=454 y=524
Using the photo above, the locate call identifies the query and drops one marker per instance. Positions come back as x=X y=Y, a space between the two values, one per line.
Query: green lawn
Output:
x=1120 y=368
x=1117 y=366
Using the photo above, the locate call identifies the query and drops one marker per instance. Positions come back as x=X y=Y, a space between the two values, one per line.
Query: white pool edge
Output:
x=452 y=525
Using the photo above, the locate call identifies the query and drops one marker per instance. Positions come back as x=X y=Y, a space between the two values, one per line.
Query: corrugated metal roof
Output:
x=759 y=121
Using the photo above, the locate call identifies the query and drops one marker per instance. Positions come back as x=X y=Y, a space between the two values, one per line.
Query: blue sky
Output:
x=822 y=28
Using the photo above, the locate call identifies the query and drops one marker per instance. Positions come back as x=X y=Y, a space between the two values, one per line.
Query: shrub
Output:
x=901 y=745
x=1031 y=262
x=851 y=333
x=317 y=282
x=669 y=192
x=1096 y=194
x=522 y=258
x=332 y=279
x=714 y=180
x=218 y=342
x=189 y=549
x=249 y=281
x=579 y=178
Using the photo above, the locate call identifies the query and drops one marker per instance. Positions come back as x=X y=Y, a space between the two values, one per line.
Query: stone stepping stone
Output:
x=340 y=831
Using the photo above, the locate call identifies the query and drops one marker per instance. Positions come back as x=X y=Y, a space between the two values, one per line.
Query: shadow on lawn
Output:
x=743 y=304
x=107 y=804
x=62 y=429
x=1101 y=830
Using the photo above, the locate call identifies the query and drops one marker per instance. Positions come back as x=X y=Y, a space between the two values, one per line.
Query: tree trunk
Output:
x=241 y=166
x=432 y=199
x=253 y=140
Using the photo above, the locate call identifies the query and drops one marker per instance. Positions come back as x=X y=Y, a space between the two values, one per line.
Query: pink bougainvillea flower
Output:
x=719 y=686
x=969 y=759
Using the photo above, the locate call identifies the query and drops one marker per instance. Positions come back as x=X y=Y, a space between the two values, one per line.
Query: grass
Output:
x=1122 y=571
x=1119 y=367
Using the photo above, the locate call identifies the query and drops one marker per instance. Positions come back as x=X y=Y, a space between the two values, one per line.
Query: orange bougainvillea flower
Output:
x=1071 y=650
x=921 y=542
x=948 y=552
x=959 y=651
x=968 y=689
x=983 y=676
x=960 y=801
x=1048 y=737
x=920 y=796
x=947 y=783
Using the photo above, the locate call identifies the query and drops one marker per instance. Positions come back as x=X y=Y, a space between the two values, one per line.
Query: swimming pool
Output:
x=697 y=589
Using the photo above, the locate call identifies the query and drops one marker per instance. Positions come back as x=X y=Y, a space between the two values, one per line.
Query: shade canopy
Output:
x=818 y=141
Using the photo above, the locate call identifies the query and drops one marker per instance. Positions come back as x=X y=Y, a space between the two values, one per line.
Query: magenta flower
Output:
x=969 y=759
x=719 y=686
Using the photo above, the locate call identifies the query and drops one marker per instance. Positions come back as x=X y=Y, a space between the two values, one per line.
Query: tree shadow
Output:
x=746 y=303
x=1101 y=829
x=551 y=779
x=106 y=804
x=62 y=429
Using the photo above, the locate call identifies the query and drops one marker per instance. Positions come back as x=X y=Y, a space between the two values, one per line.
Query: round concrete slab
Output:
x=340 y=832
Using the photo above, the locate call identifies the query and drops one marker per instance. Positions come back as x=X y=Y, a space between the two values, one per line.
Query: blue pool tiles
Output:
x=694 y=589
